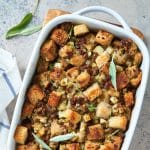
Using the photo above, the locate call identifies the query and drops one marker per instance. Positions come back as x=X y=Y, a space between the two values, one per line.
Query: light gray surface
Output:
x=136 y=12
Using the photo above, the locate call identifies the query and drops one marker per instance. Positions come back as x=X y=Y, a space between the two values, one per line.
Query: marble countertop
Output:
x=136 y=12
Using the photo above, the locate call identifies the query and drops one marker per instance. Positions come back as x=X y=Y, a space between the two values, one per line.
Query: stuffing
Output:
x=73 y=72
x=60 y=36
x=102 y=59
x=95 y=132
x=82 y=132
x=56 y=74
x=29 y=146
x=77 y=60
x=21 y=147
x=35 y=94
x=27 y=110
x=87 y=117
x=122 y=80
x=132 y=72
x=118 y=122
x=54 y=98
x=91 y=145
x=42 y=65
x=136 y=81
x=65 y=51
x=92 y=92
x=137 y=59
x=129 y=99
x=80 y=29
x=62 y=147
x=49 y=50
x=103 y=110
x=21 y=134
x=73 y=146
x=104 y=38
x=83 y=79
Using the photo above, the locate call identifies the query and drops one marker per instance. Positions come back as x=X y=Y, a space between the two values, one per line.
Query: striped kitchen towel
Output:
x=4 y=129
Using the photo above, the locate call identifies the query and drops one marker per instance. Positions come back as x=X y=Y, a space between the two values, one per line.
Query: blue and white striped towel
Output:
x=10 y=82
x=4 y=129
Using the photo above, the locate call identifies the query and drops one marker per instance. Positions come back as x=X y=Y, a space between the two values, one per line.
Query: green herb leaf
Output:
x=112 y=73
x=41 y=142
x=18 y=28
x=91 y=107
x=71 y=33
x=64 y=137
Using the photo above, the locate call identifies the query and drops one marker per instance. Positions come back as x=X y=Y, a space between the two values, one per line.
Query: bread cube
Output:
x=73 y=72
x=73 y=146
x=136 y=81
x=27 y=110
x=102 y=59
x=83 y=79
x=49 y=50
x=60 y=36
x=42 y=65
x=71 y=116
x=80 y=29
x=132 y=72
x=65 y=51
x=54 y=99
x=44 y=79
x=77 y=60
x=137 y=59
x=118 y=122
x=104 y=38
x=62 y=147
x=35 y=94
x=103 y=110
x=56 y=129
x=21 y=147
x=21 y=134
x=95 y=132
x=92 y=92
x=82 y=132
x=32 y=146
x=56 y=74
x=91 y=145
x=87 y=117
x=129 y=99
x=122 y=80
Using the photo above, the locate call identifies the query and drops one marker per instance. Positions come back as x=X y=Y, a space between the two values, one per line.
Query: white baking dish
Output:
x=124 y=32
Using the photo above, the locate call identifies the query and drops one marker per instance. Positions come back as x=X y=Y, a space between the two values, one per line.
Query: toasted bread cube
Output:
x=54 y=99
x=21 y=134
x=118 y=122
x=65 y=51
x=95 y=132
x=117 y=140
x=32 y=146
x=91 y=145
x=103 y=110
x=137 y=59
x=73 y=72
x=77 y=60
x=39 y=129
x=73 y=146
x=102 y=59
x=56 y=129
x=87 y=117
x=93 y=92
x=104 y=38
x=71 y=116
x=83 y=79
x=82 y=132
x=35 y=94
x=129 y=99
x=44 y=79
x=122 y=80
x=62 y=147
x=42 y=65
x=49 y=50
x=21 y=147
x=56 y=74
x=60 y=36
x=80 y=29
x=136 y=81
x=108 y=146
x=27 y=110
x=132 y=72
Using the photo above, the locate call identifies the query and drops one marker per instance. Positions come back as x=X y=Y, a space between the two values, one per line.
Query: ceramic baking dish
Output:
x=77 y=17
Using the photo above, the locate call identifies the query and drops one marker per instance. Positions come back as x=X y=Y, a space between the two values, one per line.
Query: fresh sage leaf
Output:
x=41 y=142
x=91 y=107
x=112 y=73
x=18 y=28
x=64 y=137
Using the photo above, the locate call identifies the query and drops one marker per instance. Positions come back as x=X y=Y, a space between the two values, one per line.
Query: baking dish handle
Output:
x=104 y=10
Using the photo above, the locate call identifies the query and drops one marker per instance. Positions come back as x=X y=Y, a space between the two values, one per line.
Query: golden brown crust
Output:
x=73 y=146
x=129 y=99
x=91 y=145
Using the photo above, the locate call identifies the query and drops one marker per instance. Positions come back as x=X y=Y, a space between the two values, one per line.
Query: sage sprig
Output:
x=91 y=107
x=64 y=137
x=112 y=73
x=41 y=142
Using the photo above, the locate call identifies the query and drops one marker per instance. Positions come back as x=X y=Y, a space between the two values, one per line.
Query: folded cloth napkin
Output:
x=4 y=129
x=10 y=83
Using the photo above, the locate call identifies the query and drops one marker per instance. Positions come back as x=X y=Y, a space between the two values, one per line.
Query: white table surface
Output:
x=136 y=12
